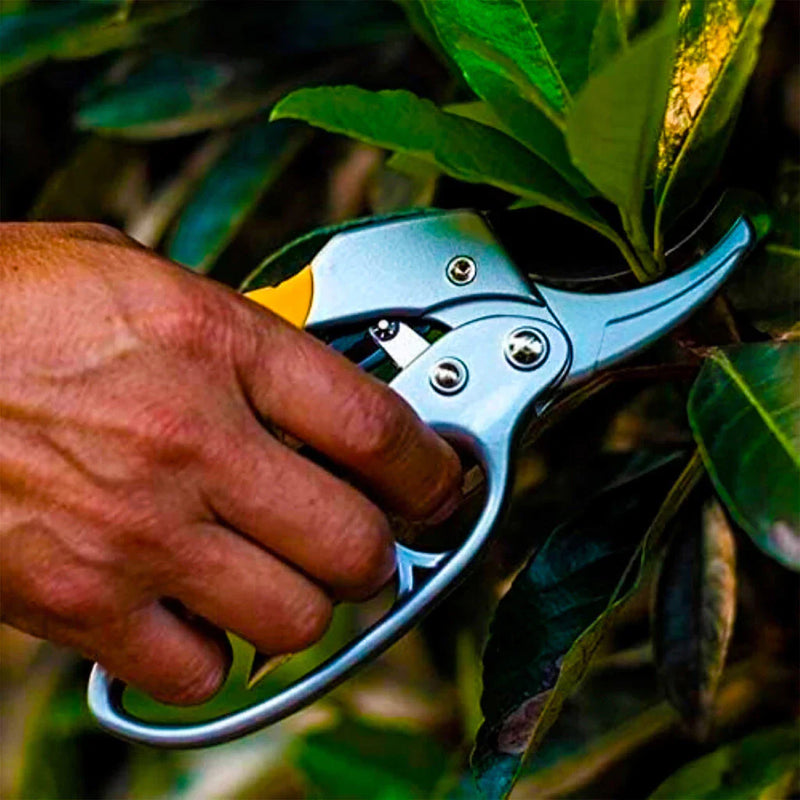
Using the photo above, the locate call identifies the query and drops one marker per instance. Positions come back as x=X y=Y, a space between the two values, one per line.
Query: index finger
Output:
x=317 y=395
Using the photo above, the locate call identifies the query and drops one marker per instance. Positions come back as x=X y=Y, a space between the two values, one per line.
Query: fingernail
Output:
x=445 y=510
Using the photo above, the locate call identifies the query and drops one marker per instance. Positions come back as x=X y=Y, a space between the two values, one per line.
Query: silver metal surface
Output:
x=399 y=341
x=526 y=348
x=397 y=269
x=462 y=270
x=607 y=327
x=449 y=376
x=582 y=332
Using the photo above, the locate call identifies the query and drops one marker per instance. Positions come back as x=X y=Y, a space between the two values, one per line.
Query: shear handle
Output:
x=483 y=418
x=445 y=569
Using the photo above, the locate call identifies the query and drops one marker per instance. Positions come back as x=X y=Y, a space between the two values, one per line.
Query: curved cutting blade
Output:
x=604 y=328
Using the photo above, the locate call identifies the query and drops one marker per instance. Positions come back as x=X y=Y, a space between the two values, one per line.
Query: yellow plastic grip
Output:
x=290 y=299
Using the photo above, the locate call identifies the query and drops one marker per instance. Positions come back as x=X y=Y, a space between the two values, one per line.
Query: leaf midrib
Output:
x=738 y=379
x=546 y=51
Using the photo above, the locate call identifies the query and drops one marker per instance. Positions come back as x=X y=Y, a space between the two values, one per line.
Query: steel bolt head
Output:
x=526 y=348
x=449 y=376
x=461 y=270
x=385 y=330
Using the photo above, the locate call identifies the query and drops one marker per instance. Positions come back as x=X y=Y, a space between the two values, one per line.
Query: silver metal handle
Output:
x=482 y=415
x=445 y=570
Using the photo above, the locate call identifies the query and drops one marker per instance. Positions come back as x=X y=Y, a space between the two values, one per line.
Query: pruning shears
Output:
x=476 y=349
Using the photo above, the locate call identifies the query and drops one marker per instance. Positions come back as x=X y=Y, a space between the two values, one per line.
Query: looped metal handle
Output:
x=439 y=573
x=482 y=417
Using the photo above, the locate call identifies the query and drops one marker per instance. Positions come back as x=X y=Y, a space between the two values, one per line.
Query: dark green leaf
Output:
x=610 y=34
x=43 y=30
x=719 y=44
x=141 y=17
x=498 y=36
x=745 y=414
x=356 y=761
x=762 y=765
x=230 y=191
x=695 y=603
x=170 y=95
x=566 y=28
x=550 y=622
x=461 y=148
x=767 y=286
x=613 y=128
x=495 y=45
x=619 y=21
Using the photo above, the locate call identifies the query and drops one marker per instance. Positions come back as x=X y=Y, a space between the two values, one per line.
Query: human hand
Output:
x=135 y=468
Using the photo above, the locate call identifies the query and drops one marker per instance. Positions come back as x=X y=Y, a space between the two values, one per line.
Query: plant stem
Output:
x=637 y=267
x=634 y=228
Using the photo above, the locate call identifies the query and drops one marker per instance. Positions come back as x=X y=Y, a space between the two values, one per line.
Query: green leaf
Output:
x=461 y=148
x=695 y=603
x=610 y=34
x=355 y=761
x=613 y=128
x=566 y=28
x=748 y=768
x=499 y=36
x=38 y=31
x=551 y=621
x=230 y=191
x=500 y=51
x=719 y=44
x=170 y=95
x=766 y=288
x=745 y=415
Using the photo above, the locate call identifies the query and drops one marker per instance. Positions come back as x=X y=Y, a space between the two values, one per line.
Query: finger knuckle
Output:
x=95 y=232
x=310 y=620
x=79 y=601
x=375 y=427
x=171 y=431
x=198 y=680
x=364 y=553
x=445 y=482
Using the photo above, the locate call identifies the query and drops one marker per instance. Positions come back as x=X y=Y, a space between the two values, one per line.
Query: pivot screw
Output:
x=385 y=331
x=449 y=376
x=526 y=348
x=461 y=270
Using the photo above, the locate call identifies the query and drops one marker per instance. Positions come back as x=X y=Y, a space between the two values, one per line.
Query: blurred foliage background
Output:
x=154 y=117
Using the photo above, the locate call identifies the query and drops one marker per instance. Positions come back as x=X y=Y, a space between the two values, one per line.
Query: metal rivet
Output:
x=385 y=331
x=461 y=270
x=526 y=348
x=449 y=376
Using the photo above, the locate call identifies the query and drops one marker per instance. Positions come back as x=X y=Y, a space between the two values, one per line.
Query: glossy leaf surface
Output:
x=499 y=36
x=548 y=625
x=694 y=610
x=460 y=147
x=745 y=414
x=231 y=189
x=719 y=43
x=503 y=56
x=762 y=765
x=613 y=128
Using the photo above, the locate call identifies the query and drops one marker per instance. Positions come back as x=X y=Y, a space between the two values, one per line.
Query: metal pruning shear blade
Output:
x=507 y=347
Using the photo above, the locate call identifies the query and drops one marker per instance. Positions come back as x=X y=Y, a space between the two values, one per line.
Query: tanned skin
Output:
x=144 y=507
